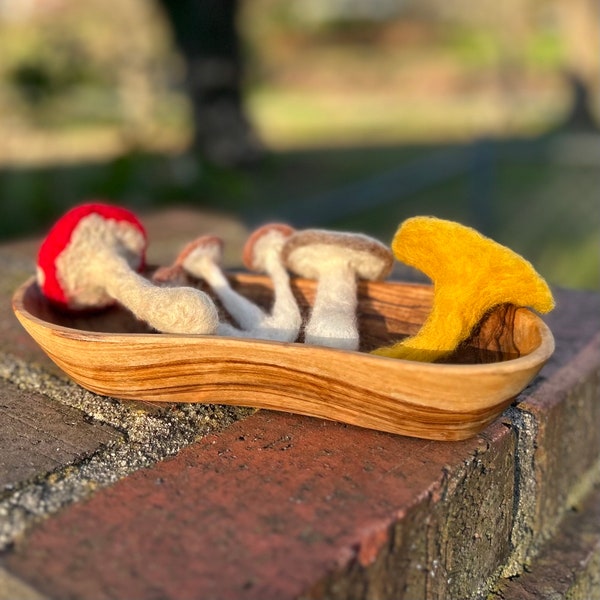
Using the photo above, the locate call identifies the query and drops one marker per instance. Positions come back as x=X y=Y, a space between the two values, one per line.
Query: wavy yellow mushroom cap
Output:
x=471 y=275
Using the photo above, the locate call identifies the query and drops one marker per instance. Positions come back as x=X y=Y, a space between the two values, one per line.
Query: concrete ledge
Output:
x=192 y=502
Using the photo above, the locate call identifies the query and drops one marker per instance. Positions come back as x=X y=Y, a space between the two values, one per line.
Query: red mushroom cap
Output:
x=60 y=235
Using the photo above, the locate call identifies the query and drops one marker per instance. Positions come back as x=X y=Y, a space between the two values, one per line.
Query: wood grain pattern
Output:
x=112 y=354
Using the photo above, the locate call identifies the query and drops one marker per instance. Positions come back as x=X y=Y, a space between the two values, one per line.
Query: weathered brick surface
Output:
x=449 y=544
x=278 y=503
x=38 y=435
x=568 y=566
x=558 y=424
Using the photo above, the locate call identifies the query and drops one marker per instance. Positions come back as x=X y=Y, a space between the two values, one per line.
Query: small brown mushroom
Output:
x=90 y=259
x=336 y=260
x=262 y=253
x=202 y=257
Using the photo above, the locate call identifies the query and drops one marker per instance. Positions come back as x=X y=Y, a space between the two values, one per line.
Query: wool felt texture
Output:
x=262 y=253
x=336 y=260
x=202 y=257
x=59 y=237
x=203 y=261
x=96 y=267
x=471 y=275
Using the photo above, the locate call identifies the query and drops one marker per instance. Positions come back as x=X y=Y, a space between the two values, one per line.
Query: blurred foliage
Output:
x=92 y=106
x=74 y=64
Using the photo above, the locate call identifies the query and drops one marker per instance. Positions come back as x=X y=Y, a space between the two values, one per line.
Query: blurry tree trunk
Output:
x=579 y=20
x=206 y=33
x=514 y=24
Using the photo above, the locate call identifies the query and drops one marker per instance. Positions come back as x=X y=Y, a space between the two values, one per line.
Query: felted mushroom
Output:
x=471 y=273
x=91 y=258
x=202 y=258
x=336 y=260
x=262 y=253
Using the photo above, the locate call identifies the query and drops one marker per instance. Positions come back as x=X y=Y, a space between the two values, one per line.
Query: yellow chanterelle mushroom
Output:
x=471 y=275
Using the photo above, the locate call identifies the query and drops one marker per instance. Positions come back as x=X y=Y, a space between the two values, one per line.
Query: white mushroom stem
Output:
x=202 y=261
x=332 y=321
x=336 y=260
x=247 y=314
x=285 y=319
x=170 y=310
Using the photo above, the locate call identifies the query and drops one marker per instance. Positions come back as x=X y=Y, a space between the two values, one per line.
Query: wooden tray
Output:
x=111 y=353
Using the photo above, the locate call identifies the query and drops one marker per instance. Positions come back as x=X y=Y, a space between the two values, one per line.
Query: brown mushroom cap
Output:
x=209 y=244
x=307 y=252
x=249 y=257
x=175 y=273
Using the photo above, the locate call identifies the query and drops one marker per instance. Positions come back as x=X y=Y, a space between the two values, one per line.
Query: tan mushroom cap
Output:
x=249 y=257
x=211 y=244
x=307 y=252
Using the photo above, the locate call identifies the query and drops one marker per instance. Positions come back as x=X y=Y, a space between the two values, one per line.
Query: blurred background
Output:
x=345 y=114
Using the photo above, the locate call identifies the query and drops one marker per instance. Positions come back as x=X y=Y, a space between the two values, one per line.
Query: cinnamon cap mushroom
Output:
x=263 y=253
x=258 y=244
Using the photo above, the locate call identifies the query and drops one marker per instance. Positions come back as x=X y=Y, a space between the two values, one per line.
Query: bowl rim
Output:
x=539 y=355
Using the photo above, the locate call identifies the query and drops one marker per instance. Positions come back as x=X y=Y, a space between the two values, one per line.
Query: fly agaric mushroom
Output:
x=262 y=253
x=336 y=260
x=471 y=273
x=202 y=257
x=90 y=259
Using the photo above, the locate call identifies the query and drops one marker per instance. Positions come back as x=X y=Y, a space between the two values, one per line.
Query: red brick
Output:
x=562 y=412
x=263 y=511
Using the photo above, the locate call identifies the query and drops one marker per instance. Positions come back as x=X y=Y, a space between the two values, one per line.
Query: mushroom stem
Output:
x=332 y=321
x=285 y=315
x=90 y=258
x=336 y=260
x=263 y=253
x=246 y=313
x=171 y=310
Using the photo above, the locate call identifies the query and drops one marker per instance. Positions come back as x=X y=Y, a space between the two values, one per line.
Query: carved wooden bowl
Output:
x=113 y=354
